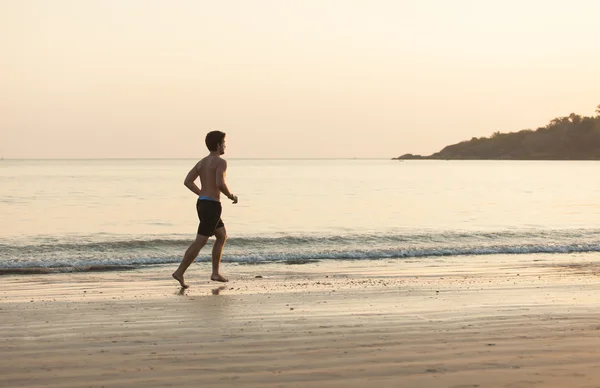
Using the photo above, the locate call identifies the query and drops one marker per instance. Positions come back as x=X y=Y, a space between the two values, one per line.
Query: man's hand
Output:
x=234 y=198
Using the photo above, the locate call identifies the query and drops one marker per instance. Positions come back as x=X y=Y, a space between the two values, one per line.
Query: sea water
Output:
x=77 y=214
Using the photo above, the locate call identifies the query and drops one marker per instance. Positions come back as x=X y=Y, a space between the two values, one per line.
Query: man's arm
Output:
x=221 y=185
x=190 y=178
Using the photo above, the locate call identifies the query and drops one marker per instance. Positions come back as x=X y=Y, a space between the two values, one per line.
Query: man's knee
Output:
x=221 y=235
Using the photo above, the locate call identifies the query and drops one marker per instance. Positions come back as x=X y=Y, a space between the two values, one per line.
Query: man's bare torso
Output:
x=207 y=171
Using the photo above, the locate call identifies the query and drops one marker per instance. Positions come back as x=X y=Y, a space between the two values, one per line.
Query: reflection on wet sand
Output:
x=217 y=291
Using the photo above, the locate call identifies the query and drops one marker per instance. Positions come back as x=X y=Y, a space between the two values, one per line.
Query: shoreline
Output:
x=488 y=321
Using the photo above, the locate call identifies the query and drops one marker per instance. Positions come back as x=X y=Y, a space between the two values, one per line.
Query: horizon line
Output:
x=192 y=158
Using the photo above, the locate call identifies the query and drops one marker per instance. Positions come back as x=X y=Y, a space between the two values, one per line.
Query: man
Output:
x=211 y=170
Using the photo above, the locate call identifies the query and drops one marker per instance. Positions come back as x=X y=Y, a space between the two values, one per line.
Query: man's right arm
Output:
x=190 y=178
x=221 y=185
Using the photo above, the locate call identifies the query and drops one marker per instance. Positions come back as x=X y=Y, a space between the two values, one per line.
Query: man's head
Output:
x=215 y=141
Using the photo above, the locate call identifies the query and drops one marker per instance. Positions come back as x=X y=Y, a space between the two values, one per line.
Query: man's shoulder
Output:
x=216 y=158
x=199 y=163
x=212 y=161
x=221 y=162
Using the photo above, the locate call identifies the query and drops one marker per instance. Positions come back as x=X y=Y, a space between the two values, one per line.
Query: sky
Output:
x=287 y=79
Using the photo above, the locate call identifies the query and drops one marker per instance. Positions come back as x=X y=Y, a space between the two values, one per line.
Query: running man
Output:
x=211 y=170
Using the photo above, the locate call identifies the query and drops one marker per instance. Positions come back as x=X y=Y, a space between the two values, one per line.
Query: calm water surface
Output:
x=76 y=213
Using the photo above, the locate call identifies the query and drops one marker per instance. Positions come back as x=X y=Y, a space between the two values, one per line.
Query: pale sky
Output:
x=290 y=79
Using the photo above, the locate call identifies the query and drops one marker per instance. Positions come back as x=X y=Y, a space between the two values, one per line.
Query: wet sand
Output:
x=480 y=321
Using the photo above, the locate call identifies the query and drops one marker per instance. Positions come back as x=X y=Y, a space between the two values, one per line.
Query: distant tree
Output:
x=556 y=121
x=571 y=137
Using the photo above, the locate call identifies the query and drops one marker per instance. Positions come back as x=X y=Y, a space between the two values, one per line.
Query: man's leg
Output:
x=221 y=237
x=188 y=258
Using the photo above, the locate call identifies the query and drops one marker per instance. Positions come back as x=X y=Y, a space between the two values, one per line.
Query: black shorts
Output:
x=209 y=213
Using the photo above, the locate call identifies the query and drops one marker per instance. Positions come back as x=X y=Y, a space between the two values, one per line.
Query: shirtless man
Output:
x=211 y=170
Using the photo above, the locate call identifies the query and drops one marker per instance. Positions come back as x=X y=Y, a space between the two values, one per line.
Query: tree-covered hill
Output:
x=571 y=137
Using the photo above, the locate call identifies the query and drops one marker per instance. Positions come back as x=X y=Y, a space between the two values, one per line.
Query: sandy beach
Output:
x=479 y=321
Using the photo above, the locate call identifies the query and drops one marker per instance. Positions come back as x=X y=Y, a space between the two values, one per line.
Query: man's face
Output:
x=221 y=148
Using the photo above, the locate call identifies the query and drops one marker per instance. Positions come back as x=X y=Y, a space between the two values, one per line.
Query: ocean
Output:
x=79 y=215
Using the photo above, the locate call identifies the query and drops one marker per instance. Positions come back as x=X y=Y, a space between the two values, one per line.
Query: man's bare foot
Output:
x=218 y=278
x=179 y=278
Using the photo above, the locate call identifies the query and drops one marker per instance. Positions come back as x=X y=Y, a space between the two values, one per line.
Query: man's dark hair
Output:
x=213 y=139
